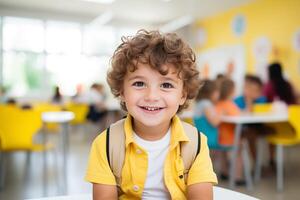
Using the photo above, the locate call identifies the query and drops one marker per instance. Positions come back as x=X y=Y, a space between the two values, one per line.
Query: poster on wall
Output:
x=239 y=25
x=296 y=41
x=262 y=48
x=201 y=37
x=224 y=60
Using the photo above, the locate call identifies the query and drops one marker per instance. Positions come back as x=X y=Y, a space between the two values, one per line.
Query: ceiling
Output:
x=122 y=12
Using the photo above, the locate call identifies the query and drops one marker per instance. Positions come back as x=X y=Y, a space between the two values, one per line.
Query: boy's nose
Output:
x=152 y=94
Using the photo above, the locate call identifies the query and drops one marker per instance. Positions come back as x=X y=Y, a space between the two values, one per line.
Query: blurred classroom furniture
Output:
x=218 y=194
x=287 y=133
x=212 y=137
x=80 y=111
x=48 y=107
x=248 y=119
x=63 y=118
x=17 y=130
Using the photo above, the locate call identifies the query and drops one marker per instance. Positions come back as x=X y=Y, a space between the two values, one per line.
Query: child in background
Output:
x=252 y=94
x=278 y=88
x=57 y=97
x=205 y=115
x=226 y=106
x=153 y=75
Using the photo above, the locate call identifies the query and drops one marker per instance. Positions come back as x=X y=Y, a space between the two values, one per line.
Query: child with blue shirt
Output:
x=205 y=116
x=252 y=94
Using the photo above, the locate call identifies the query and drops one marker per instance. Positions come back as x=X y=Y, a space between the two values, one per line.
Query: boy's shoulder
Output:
x=100 y=138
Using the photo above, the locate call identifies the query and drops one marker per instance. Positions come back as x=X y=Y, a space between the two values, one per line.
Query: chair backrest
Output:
x=45 y=107
x=294 y=117
x=80 y=111
x=17 y=128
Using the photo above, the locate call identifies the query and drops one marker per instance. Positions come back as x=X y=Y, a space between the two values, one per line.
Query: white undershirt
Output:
x=154 y=187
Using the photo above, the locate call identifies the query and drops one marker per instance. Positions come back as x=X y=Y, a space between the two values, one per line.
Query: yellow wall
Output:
x=276 y=19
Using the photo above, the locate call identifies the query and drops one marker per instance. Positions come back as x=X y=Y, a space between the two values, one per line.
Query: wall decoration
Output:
x=224 y=60
x=201 y=37
x=262 y=48
x=296 y=41
x=239 y=25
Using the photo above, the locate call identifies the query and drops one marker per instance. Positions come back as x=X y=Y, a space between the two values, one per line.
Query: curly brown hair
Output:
x=157 y=50
x=226 y=88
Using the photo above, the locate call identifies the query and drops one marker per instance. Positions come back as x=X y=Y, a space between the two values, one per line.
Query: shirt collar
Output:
x=177 y=132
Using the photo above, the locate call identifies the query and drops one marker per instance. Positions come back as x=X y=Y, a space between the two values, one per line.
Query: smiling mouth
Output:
x=148 y=108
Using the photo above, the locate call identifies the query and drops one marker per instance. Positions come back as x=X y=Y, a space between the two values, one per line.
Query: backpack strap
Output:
x=190 y=150
x=115 y=149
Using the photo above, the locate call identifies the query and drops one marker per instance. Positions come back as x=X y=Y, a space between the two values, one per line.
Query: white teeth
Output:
x=151 y=108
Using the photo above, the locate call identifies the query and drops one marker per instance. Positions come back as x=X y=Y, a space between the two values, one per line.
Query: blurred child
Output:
x=57 y=96
x=252 y=94
x=278 y=88
x=205 y=116
x=226 y=106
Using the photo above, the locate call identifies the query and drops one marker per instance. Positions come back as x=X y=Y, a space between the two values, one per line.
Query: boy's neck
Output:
x=150 y=133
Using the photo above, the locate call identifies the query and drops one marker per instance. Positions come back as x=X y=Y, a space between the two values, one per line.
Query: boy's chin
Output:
x=151 y=123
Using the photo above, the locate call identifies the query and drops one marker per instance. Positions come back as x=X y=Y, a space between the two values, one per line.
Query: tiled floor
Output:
x=18 y=185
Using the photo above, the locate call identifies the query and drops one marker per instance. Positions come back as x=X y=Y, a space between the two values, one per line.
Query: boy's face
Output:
x=151 y=98
x=252 y=90
x=215 y=96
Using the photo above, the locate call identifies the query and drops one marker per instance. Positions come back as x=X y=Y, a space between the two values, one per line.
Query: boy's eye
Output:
x=167 y=85
x=139 y=84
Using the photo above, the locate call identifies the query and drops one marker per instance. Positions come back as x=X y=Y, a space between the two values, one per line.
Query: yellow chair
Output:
x=80 y=111
x=286 y=134
x=17 y=130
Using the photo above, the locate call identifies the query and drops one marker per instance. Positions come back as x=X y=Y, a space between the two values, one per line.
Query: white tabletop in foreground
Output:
x=256 y=118
x=219 y=194
x=222 y=193
x=57 y=116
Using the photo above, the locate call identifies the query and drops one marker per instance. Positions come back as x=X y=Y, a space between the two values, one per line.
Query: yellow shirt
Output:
x=134 y=171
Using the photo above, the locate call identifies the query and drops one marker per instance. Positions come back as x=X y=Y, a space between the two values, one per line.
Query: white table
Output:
x=248 y=119
x=219 y=194
x=63 y=118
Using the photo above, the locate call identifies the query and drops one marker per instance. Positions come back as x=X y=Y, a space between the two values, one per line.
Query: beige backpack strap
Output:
x=190 y=150
x=115 y=148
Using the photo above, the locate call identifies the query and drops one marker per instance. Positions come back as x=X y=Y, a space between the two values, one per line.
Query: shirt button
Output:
x=139 y=151
x=135 y=188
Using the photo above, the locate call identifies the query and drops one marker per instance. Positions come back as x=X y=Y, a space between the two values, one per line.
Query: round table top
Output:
x=57 y=116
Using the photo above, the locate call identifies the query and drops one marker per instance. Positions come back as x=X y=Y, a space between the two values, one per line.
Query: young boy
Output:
x=154 y=76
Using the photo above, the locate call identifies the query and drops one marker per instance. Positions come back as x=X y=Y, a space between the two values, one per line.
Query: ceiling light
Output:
x=101 y=1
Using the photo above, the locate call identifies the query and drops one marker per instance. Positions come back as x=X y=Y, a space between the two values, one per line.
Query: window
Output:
x=99 y=40
x=22 y=73
x=23 y=34
x=63 y=37
x=69 y=71
x=38 y=55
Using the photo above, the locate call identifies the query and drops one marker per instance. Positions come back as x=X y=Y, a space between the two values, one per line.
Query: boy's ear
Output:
x=183 y=98
x=121 y=96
